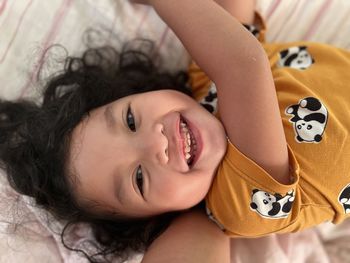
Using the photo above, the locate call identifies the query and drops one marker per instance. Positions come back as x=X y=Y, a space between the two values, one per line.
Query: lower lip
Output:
x=198 y=139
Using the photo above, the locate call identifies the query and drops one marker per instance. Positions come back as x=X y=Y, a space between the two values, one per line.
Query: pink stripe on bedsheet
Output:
x=315 y=24
x=287 y=18
x=16 y=31
x=60 y=14
x=273 y=6
x=143 y=18
x=2 y=6
x=162 y=38
x=343 y=20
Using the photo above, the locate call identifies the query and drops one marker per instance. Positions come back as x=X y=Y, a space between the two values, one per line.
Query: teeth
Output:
x=189 y=141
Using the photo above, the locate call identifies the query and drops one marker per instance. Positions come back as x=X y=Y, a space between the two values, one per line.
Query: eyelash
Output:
x=130 y=117
x=139 y=180
x=132 y=127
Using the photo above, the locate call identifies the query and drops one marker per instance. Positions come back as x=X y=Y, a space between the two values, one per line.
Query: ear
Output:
x=346 y=193
x=302 y=47
x=253 y=205
x=321 y=118
x=318 y=138
x=255 y=191
x=278 y=196
x=287 y=207
x=295 y=118
x=276 y=207
x=284 y=53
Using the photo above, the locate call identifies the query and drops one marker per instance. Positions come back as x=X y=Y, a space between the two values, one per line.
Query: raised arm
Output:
x=238 y=65
x=191 y=238
x=242 y=10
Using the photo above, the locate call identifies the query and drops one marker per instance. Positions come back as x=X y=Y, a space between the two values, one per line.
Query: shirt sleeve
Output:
x=245 y=201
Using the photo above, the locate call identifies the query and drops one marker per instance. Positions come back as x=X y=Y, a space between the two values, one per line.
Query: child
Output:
x=135 y=153
x=268 y=181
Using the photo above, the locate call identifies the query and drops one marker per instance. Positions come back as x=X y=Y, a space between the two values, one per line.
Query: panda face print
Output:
x=309 y=120
x=308 y=131
x=295 y=57
x=344 y=199
x=272 y=206
x=262 y=202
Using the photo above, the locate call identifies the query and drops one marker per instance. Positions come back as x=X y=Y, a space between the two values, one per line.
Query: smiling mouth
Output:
x=189 y=142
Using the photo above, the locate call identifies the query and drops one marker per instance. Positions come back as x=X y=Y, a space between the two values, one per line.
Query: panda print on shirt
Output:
x=295 y=57
x=309 y=120
x=344 y=199
x=272 y=206
x=252 y=29
x=210 y=101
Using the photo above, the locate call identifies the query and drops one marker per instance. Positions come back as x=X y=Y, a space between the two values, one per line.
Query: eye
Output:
x=139 y=179
x=130 y=121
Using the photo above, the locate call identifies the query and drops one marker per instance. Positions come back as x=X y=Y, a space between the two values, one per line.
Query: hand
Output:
x=191 y=237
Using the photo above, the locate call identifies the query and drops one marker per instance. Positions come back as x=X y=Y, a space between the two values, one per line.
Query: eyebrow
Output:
x=111 y=123
x=110 y=119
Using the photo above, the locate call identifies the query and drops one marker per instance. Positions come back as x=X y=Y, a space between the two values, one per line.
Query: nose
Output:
x=154 y=145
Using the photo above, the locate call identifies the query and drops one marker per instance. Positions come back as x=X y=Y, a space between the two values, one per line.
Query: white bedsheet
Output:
x=28 y=27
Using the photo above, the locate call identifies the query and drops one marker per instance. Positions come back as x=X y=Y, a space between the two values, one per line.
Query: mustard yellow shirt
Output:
x=313 y=89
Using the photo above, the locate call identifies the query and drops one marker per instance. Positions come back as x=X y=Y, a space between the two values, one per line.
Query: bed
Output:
x=29 y=27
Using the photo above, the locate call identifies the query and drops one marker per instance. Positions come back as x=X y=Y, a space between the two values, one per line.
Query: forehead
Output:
x=84 y=141
x=93 y=159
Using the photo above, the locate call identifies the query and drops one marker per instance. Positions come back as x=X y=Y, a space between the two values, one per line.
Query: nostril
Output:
x=166 y=152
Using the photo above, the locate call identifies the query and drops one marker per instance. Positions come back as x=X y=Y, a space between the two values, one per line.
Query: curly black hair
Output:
x=35 y=139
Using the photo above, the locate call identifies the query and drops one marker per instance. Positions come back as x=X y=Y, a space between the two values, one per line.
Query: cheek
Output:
x=167 y=186
x=179 y=191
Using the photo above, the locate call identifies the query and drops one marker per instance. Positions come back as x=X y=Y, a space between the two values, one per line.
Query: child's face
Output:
x=112 y=161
